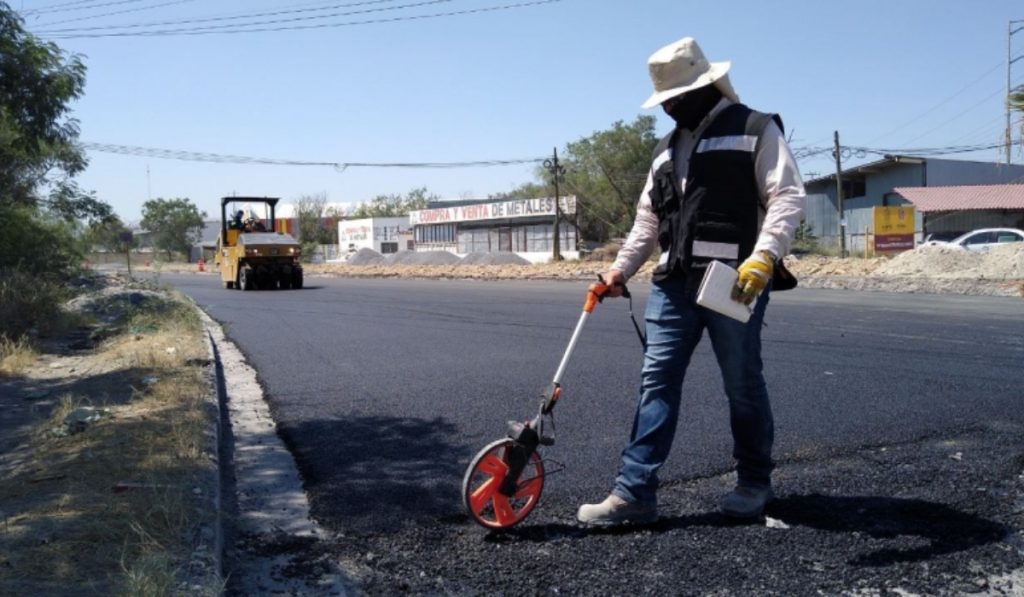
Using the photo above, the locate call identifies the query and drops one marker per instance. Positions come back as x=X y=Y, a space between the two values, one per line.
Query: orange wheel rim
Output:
x=482 y=487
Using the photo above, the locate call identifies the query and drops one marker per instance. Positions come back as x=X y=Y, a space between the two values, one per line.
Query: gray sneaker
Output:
x=746 y=502
x=615 y=510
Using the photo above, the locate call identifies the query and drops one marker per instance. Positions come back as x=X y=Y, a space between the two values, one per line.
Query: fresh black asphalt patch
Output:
x=937 y=516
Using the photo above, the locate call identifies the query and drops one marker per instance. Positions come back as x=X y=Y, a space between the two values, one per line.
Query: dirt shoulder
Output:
x=108 y=471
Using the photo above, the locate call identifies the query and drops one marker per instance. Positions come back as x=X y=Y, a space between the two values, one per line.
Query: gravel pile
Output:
x=932 y=261
x=1000 y=263
x=935 y=270
x=495 y=258
x=1006 y=261
x=423 y=258
x=365 y=256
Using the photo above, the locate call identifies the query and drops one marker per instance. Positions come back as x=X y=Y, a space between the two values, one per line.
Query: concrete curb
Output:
x=213 y=407
x=269 y=528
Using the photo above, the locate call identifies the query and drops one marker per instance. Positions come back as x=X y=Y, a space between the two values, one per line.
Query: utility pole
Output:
x=1009 y=62
x=556 y=171
x=837 y=152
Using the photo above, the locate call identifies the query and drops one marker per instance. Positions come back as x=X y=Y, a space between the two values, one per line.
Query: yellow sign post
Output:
x=894 y=228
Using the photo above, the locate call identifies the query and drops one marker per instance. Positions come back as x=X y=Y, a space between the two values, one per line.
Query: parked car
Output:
x=983 y=239
x=941 y=237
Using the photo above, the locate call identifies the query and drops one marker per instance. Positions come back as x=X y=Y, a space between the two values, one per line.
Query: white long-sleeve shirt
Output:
x=778 y=181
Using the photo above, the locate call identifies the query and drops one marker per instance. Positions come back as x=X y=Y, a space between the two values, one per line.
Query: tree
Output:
x=384 y=206
x=38 y=150
x=527 y=190
x=71 y=204
x=107 y=235
x=607 y=171
x=313 y=225
x=1016 y=99
x=176 y=224
x=36 y=243
x=39 y=202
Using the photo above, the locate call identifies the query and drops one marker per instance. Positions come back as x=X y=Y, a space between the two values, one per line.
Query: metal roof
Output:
x=964 y=198
x=868 y=168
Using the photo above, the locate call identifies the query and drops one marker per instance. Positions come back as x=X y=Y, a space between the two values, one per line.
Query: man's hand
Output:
x=616 y=281
x=755 y=273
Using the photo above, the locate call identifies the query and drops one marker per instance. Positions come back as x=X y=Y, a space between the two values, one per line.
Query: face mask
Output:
x=691 y=107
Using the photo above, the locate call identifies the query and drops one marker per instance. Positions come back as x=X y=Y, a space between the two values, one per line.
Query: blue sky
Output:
x=503 y=84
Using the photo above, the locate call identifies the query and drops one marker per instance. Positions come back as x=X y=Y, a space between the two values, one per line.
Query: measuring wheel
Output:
x=482 y=491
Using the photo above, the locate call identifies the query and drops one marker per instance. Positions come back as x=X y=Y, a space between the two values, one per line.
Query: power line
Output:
x=241 y=29
x=74 y=6
x=958 y=115
x=230 y=28
x=224 y=17
x=938 y=105
x=803 y=153
x=119 y=12
x=195 y=156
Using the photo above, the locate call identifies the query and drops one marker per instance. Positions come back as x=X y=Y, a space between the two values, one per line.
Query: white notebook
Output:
x=715 y=292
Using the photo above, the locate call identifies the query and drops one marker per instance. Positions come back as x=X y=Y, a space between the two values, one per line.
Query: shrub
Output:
x=606 y=252
x=28 y=301
x=804 y=240
x=35 y=243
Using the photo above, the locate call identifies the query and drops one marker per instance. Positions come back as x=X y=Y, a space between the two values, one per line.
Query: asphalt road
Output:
x=898 y=422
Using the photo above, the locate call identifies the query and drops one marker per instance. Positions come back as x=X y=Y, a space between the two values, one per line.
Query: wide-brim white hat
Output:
x=680 y=67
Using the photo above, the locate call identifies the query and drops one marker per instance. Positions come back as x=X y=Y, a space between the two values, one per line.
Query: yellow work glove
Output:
x=755 y=273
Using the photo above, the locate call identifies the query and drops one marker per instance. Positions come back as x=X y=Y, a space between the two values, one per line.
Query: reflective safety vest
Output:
x=719 y=215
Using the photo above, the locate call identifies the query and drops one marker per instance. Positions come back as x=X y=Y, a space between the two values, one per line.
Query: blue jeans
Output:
x=675 y=324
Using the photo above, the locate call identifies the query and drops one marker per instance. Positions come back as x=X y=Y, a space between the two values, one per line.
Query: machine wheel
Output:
x=297 y=279
x=229 y=285
x=245 y=278
x=285 y=281
x=480 y=487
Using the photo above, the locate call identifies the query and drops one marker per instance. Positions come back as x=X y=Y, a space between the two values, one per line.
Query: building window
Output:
x=538 y=238
x=386 y=248
x=474 y=240
x=436 y=233
x=854 y=188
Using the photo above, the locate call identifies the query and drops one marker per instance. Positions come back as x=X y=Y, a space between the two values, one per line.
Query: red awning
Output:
x=964 y=198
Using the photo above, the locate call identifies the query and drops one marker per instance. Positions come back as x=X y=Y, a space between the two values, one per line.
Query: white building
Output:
x=384 y=235
x=521 y=226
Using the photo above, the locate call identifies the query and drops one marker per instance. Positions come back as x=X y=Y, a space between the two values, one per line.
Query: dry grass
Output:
x=68 y=527
x=16 y=356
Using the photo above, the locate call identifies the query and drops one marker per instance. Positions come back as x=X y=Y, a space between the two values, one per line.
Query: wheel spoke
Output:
x=496 y=468
x=483 y=494
x=503 y=510
x=492 y=465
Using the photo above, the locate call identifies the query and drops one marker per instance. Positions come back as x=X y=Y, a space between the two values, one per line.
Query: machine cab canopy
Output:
x=240 y=215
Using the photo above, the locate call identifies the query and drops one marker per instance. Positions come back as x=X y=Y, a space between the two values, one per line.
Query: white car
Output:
x=983 y=239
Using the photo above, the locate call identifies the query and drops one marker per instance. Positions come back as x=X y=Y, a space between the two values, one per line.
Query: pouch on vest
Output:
x=782 y=278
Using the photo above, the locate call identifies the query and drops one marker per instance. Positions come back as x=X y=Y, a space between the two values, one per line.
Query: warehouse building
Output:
x=521 y=226
x=890 y=182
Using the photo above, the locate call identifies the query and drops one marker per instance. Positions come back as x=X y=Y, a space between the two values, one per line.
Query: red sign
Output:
x=894 y=242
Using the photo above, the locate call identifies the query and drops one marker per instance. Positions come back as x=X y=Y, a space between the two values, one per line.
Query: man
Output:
x=722 y=186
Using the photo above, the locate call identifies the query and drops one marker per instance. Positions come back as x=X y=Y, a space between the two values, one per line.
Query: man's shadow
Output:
x=946 y=530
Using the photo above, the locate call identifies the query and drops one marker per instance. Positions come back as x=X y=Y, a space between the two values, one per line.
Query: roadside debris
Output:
x=79 y=420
